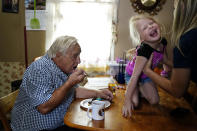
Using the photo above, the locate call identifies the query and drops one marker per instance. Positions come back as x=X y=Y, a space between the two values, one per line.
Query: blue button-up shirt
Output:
x=40 y=80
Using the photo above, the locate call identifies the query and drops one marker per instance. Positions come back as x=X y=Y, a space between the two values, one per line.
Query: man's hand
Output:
x=77 y=76
x=105 y=93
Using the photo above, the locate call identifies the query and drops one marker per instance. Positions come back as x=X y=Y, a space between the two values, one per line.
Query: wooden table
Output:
x=146 y=117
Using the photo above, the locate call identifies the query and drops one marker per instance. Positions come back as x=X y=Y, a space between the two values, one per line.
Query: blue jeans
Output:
x=127 y=78
x=144 y=80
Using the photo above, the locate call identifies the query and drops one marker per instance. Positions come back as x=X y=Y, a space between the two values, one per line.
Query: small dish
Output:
x=85 y=103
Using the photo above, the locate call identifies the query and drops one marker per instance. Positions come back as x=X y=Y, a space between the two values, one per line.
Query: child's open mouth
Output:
x=153 y=33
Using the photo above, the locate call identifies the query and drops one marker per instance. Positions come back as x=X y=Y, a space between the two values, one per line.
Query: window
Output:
x=92 y=22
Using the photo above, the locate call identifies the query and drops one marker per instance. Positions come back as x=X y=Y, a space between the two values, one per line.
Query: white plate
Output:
x=85 y=103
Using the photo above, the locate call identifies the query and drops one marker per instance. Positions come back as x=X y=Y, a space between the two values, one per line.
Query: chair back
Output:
x=6 y=105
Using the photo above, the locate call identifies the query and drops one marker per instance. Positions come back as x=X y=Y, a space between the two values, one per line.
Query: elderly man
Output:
x=49 y=86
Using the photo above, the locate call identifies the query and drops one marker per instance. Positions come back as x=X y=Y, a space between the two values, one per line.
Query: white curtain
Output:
x=92 y=22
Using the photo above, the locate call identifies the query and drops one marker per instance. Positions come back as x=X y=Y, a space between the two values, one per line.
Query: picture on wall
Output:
x=35 y=14
x=11 y=6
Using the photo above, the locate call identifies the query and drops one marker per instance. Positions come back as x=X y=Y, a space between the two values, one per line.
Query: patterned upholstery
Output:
x=9 y=71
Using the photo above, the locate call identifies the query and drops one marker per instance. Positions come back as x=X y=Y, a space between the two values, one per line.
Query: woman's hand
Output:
x=127 y=108
x=147 y=67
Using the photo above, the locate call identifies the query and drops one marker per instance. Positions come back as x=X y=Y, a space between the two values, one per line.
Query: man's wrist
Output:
x=69 y=84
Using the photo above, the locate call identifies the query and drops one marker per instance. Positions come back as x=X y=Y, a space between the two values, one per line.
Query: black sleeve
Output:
x=179 y=60
x=184 y=58
x=145 y=50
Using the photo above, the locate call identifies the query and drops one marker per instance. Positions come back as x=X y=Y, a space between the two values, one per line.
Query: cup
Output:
x=97 y=108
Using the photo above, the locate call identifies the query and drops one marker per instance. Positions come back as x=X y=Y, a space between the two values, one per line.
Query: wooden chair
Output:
x=6 y=105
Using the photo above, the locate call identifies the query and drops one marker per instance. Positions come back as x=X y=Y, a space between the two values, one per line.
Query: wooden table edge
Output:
x=83 y=127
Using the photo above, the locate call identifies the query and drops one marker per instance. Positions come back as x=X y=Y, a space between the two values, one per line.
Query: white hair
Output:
x=61 y=44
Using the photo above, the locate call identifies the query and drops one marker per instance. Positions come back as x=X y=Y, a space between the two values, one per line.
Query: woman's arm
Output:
x=178 y=83
x=166 y=60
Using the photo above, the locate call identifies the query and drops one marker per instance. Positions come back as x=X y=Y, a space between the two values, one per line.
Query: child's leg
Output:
x=149 y=91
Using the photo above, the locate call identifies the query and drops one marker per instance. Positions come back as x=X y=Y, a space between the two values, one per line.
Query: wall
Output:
x=12 y=37
x=12 y=32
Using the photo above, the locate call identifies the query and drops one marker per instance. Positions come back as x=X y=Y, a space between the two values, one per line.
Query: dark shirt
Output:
x=146 y=50
x=188 y=46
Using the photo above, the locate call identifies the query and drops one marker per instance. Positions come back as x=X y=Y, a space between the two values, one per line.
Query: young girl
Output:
x=144 y=30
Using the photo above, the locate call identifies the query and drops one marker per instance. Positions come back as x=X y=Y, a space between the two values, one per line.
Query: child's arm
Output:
x=128 y=104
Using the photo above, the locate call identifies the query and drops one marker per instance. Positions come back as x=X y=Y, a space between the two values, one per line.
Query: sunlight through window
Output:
x=90 y=23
